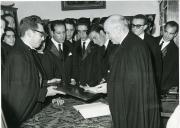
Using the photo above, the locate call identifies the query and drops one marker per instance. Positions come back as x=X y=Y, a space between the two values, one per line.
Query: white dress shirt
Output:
x=142 y=36
x=106 y=43
x=57 y=44
x=87 y=41
x=164 y=44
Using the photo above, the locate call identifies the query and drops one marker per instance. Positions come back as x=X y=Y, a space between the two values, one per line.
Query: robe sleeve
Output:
x=20 y=86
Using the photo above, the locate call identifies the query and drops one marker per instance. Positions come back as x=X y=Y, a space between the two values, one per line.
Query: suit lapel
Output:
x=54 y=50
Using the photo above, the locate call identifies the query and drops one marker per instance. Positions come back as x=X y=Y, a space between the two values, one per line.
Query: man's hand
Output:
x=102 y=81
x=73 y=82
x=51 y=91
x=54 y=80
x=101 y=88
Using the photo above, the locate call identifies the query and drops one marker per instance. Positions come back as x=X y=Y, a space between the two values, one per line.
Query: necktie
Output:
x=164 y=50
x=83 y=51
x=62 y=61
x=60 y=50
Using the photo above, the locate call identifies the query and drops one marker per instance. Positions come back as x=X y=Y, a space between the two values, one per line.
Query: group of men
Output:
x=129 y=65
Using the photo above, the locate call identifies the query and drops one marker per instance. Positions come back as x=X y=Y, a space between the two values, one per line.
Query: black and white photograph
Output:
x=90 y=64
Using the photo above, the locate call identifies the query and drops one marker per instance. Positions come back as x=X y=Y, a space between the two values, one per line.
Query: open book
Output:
x=93 y=109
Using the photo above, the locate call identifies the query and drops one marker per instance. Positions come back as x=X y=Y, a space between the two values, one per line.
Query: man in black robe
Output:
x=131 y=87
x=138 y=27
x=23 y=91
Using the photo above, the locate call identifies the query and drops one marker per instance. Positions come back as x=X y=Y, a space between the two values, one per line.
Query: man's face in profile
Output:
x=38 y=36
x=112 y=34
x=98 y=38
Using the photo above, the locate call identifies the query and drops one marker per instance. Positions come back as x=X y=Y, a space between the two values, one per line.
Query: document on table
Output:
x=93 y=109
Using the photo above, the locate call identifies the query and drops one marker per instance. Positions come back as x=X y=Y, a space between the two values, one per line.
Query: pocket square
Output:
x=70 y=54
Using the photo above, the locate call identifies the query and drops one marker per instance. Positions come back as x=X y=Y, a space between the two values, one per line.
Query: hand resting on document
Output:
x=54 y=80
x=101 y=88
x=51 y=90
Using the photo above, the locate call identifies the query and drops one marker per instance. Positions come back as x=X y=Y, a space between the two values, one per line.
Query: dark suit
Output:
x=70 y=44
x=63 y=62
x=22 y=91
x=106 y=54
x=170 y=64
x=155 y=57
x=86 y=67
x=48 y=65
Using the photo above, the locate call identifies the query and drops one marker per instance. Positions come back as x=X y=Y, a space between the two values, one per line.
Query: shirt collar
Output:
x=70 y=41
x=56 y=43
x=164 y=44
x=106 y=43
x=87 y=41
x=141 y=36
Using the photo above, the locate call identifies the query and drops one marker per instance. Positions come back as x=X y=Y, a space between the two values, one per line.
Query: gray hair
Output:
x=116 y=21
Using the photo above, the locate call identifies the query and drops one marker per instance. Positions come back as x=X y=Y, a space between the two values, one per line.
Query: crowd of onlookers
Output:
x=72 y=33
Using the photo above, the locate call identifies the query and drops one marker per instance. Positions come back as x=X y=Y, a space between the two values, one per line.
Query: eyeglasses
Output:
x=43 y=34
x=136 y=25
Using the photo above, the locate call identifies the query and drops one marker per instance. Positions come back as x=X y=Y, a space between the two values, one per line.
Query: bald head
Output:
x=116 y=27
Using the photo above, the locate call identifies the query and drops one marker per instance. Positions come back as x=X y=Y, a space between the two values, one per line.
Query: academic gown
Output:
x=131 y=88
x=22 y=93
x=155 y=57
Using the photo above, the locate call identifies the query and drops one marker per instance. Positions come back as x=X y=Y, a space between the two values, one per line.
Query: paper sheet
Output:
x=93 y=109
